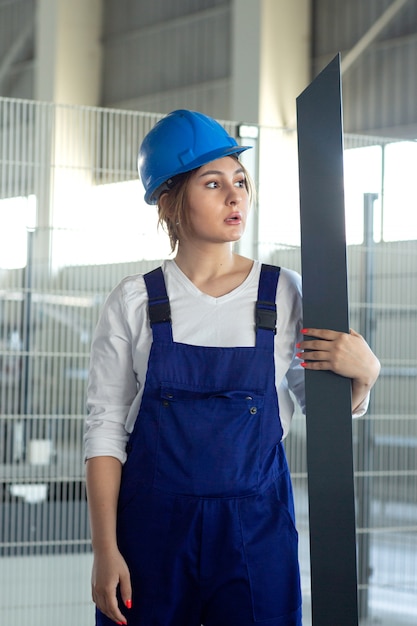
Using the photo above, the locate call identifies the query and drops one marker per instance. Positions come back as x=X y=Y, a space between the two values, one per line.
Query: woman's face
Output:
x=217 y=202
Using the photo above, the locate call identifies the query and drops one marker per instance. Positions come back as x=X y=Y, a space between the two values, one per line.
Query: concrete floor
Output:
x=46 y=590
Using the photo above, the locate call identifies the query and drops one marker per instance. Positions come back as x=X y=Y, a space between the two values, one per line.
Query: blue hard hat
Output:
x=179 y=143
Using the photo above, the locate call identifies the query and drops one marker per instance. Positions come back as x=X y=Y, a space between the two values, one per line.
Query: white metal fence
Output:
x=68 y=233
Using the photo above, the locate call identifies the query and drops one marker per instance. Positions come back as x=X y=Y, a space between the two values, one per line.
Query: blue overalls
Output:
x=206 y=515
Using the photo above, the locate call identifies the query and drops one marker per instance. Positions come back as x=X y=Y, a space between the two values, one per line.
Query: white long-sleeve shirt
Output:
x=123 y=337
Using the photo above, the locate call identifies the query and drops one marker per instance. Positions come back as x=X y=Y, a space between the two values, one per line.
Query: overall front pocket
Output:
x=270 y=542
x=208 y=442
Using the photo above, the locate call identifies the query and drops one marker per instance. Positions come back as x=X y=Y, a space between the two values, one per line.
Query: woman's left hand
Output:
x=346 y=354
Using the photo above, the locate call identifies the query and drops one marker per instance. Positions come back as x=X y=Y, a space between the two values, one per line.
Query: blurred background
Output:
x=81 y=82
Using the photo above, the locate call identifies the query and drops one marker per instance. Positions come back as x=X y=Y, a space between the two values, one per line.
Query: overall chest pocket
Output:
x=208 y=442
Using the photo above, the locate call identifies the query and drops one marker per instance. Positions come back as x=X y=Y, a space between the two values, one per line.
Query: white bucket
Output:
x=39 y=451
x=32 y=494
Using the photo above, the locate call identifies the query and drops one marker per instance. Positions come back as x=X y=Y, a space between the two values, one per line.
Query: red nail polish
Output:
x=298 y=345
x=128 y=604
x=299 y=355
x=303 y=364
x=304 y=331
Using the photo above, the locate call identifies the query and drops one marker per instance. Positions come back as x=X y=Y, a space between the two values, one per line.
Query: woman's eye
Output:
x=214 y=184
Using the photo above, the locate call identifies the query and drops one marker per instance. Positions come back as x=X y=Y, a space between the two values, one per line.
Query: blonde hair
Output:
x=172 y=210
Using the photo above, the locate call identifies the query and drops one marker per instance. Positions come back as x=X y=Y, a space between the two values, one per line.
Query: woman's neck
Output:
x=209 y=261
x=213 y=271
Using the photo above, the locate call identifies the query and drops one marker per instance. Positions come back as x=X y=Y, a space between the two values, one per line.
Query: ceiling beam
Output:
x=365 y=41
x=14 y=51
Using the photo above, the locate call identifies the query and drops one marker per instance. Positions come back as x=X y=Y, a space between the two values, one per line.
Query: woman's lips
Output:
x=235 y=218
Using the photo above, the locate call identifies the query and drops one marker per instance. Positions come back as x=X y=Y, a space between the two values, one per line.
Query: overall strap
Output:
x=266 y=310
x=158 y=305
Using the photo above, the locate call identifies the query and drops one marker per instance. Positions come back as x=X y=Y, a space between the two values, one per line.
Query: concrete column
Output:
x=68 y=72
x=284 y=73
x=271 y=42
x=284 y=59
x=68 y=51
x=246 y=49
x=244 y=98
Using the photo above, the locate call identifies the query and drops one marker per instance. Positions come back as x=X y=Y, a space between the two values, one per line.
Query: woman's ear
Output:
x=164 y=204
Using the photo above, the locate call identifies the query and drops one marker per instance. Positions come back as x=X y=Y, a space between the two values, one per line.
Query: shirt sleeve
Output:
x=294 y=378
x=362 y=407
x=295 y=373
x=112 y=384
x=289 y=373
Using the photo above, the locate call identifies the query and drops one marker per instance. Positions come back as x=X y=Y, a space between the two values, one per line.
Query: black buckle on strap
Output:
x=266 y=318
x=159 y=311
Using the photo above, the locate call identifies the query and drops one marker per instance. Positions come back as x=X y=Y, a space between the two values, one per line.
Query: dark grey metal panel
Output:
x=328 y=396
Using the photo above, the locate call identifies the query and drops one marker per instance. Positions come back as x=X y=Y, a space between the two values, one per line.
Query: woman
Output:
x=190 y=498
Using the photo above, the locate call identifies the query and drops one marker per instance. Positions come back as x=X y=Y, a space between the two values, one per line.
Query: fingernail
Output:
x=128 y=604
x=298 y=345
x=304 y=331
x=303 y=364
x=299 y=355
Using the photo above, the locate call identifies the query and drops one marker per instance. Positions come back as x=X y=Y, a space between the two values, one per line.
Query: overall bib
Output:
x=206 y=515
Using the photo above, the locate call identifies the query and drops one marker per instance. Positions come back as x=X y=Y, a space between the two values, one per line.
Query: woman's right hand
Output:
x=110 y=571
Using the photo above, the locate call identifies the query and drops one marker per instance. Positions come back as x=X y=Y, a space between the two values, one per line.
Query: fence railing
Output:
x=71 y=254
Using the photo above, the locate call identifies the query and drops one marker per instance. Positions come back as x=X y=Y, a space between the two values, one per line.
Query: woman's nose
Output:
x=234 y=194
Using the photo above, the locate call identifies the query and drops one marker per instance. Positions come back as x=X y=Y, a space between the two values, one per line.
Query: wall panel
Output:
x=163 y=55
x=17 y=26
x=380 y=87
